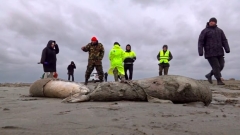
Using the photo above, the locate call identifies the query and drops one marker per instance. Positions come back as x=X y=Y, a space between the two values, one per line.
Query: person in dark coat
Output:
x=211 y=42
x=49 y=58
x=105 y=76
x=70 y=69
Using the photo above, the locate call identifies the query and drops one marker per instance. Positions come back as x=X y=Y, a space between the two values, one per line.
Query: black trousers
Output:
x=217 y=64
x=163 y=67
x=69 y=77
x=130 y=68
x=105 y=78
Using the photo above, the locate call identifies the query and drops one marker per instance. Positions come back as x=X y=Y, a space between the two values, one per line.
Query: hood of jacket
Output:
x=129 y=49
x=116 y=46
x=49 y=44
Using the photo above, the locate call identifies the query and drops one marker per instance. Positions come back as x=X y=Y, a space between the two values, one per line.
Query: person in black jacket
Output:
x=70 y=69
x=105 y=76
x=212 y=40
x=49 y=58
x=129 y=59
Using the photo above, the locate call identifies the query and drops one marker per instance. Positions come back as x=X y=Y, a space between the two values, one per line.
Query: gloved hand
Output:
x=227 y=51
x=45 y=63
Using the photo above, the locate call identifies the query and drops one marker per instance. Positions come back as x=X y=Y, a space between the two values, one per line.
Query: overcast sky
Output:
x=27 y=25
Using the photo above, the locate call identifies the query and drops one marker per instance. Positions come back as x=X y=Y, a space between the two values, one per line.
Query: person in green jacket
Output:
x=116 y=57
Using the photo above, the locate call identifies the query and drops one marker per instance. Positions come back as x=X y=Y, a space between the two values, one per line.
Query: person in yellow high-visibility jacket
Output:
x=164 y=56
x=129 y=59
x=116 y=57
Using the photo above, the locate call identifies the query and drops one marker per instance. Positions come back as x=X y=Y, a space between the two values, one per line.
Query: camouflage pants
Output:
x=90 y=68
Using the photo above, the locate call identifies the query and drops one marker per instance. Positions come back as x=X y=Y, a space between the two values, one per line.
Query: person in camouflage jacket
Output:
x=211 y=42
x=96 y=54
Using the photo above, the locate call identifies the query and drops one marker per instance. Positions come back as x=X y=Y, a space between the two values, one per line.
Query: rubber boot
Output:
x=219 y=82
x=122 y=78
x=209 y=77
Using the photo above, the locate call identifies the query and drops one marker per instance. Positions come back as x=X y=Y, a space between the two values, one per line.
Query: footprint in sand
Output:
x=29 y=99
x=115 y=120
x=62 y=113
x=6 y=109
x=10 y=127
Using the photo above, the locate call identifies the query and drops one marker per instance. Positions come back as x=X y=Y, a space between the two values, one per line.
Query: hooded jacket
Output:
x=212 y=40
x=116 y=57
x=49 y=56
x=129 y=56
x=71 y=68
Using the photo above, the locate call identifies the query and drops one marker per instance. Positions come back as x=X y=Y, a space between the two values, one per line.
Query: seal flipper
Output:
x=76 y=98
x=157 y=100
x=183 y=87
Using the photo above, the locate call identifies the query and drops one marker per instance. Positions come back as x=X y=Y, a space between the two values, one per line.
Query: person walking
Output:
x=96 y=54
x=70 y=69
x=129 y=59
x=116 y=57
x=49 y=59
x=212 y=40
x=164 y=57
x=105 y=76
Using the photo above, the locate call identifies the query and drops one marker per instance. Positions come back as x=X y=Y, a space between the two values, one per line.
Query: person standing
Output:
x=129 y=59
x=164 y=57
x=96 y=54
x=70 y=69
x=212 y=40
x=116 y=57
x=105 y=76
x=49 y=58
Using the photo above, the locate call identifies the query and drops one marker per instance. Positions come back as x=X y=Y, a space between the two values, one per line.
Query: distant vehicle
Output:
x=94 y=77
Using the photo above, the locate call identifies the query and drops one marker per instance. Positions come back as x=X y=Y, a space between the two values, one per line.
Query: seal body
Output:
x=160 y=89
x=56 y=88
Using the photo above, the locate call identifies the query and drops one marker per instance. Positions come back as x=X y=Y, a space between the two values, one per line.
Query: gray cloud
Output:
x=26 y=26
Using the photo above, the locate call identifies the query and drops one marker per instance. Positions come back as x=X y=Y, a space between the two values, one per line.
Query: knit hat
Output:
x=213 y=19
x=94 y=39
x=165 y=46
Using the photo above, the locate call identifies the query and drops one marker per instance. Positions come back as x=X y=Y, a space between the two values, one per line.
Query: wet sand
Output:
x=20 y=114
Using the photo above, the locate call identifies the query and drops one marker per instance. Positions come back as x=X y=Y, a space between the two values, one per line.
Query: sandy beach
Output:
x=24 y=115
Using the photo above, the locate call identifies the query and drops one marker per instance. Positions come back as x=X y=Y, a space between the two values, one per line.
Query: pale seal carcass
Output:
x=56 y=88
x=168 y=88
